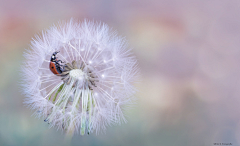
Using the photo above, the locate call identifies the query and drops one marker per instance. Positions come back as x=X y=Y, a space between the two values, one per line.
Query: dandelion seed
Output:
x=79 y=76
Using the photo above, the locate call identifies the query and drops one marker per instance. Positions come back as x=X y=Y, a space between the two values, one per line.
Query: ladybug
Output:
x=54 y=64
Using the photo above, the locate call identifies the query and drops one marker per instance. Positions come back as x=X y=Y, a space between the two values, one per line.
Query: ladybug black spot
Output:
x=52 y=67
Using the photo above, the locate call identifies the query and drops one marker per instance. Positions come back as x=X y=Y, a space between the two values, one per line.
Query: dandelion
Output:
x=79 y=77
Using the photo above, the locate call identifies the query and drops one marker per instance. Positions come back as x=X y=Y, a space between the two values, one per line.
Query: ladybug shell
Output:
x=53 y=68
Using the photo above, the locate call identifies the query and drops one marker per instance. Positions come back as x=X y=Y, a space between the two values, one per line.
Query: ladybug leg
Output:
x=60 y=61
x=62 y=68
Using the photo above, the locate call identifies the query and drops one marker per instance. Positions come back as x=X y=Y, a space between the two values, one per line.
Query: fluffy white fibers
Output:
x=95 y=82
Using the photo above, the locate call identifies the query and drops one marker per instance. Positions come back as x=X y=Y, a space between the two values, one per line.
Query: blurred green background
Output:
x=188 y=52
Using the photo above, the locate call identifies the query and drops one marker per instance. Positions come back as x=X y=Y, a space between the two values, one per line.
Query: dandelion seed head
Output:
x=77 y=73
x=92 y=80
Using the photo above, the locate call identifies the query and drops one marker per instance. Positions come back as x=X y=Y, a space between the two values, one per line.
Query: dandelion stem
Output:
x=59 y=90
x=52 y=89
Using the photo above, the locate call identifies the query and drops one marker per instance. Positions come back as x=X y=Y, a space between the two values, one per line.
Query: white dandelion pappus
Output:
x=94 y=80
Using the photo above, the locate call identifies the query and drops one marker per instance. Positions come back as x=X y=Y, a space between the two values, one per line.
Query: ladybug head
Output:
x=53 y=57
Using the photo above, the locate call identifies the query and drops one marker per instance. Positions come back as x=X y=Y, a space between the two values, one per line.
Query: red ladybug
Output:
x=54 y=65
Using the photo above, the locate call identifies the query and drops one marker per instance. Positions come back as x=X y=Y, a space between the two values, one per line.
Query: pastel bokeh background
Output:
x=188 y=52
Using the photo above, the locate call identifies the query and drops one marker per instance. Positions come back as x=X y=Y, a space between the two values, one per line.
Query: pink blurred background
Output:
x=189 y=57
